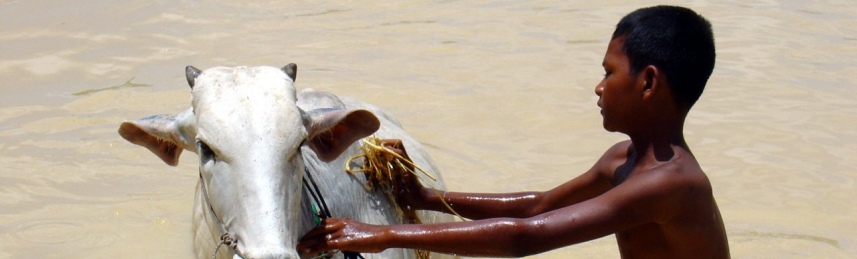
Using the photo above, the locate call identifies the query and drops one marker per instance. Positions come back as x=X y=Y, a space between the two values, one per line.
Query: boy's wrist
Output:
x=431 y=199
x=388 y=237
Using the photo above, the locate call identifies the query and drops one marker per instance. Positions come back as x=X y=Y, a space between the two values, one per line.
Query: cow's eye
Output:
x=205 y=153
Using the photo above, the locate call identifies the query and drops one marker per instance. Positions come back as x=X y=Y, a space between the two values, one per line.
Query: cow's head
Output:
x=247 y=130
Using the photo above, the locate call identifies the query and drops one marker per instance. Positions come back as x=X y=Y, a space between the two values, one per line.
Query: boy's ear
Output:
x=651 y=81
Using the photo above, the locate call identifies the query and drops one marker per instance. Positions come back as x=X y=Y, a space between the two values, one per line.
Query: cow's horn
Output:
x=291 y=70
x=191 y=73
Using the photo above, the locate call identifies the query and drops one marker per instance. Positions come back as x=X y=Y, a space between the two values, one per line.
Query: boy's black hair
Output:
x=675 y=39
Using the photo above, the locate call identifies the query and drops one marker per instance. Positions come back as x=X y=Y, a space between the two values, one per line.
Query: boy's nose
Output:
x=599 y=89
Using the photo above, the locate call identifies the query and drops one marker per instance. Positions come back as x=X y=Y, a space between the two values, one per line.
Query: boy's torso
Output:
x=692 y=229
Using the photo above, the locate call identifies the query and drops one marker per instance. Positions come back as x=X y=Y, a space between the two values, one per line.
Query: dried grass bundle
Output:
x=385 y=169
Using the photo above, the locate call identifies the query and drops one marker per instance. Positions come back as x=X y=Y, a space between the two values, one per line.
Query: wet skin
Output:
x=649 y=191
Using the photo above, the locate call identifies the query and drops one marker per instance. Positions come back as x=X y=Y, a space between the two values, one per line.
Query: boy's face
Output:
x=618 y=97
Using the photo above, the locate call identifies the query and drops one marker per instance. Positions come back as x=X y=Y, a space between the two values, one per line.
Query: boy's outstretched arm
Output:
x=591 y=183
x=511 y=205
x=638 y=201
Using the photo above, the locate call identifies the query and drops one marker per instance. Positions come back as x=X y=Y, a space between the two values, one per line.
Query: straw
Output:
x=384 y=168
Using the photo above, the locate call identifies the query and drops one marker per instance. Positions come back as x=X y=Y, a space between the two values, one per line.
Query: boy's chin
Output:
x=610 y=128
x=607 y=127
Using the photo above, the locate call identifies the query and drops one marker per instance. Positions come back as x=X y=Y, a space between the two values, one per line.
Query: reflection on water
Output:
x=114 y=87
x=502 y=92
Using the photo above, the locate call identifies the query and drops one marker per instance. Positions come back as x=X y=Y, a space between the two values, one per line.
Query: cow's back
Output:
x=344 y=193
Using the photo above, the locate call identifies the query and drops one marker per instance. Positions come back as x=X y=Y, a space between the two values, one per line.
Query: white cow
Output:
x=256 y=138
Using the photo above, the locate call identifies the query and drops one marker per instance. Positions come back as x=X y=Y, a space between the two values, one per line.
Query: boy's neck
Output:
x=658 y=143
x=661 y=150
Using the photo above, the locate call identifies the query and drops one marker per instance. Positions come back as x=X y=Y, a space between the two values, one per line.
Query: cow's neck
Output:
x=224 y=242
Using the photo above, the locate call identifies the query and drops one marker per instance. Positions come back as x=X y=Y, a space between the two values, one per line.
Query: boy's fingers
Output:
x=322 y=238
x=395 y=145
x=309 y=245
x=314 y=233
x=313 y=250
x=333 y=224
x=327 y=226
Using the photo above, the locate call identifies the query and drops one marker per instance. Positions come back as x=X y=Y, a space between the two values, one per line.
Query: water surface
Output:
x=502 y=92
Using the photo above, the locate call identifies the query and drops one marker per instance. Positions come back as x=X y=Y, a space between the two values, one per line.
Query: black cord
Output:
x=315 y=192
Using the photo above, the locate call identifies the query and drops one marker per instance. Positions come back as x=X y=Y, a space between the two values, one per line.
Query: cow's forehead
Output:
x=220 y=83
x=230 y=100
x=241 y=88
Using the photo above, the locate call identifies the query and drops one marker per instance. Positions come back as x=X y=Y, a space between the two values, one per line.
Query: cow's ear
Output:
x=165 y=135
x=331 y=131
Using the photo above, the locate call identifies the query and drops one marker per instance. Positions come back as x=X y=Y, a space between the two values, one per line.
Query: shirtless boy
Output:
x=649 y=191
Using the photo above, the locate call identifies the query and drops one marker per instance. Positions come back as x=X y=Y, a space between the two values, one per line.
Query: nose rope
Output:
x=324 y=212
x=226 y=238
x=315 y=193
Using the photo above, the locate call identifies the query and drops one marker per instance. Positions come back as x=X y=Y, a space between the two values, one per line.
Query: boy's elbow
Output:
x=537 y=207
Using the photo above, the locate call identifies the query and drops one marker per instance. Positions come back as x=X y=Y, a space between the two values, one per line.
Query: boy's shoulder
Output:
x=618 y=153
x=680 y=172
x=612 y=159
x=663 y=188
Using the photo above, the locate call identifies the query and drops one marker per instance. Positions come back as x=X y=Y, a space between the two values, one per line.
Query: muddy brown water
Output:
x=502 y=93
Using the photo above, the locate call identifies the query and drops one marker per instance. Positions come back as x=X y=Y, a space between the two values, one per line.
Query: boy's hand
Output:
x=409 y=191
x=343 y=235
